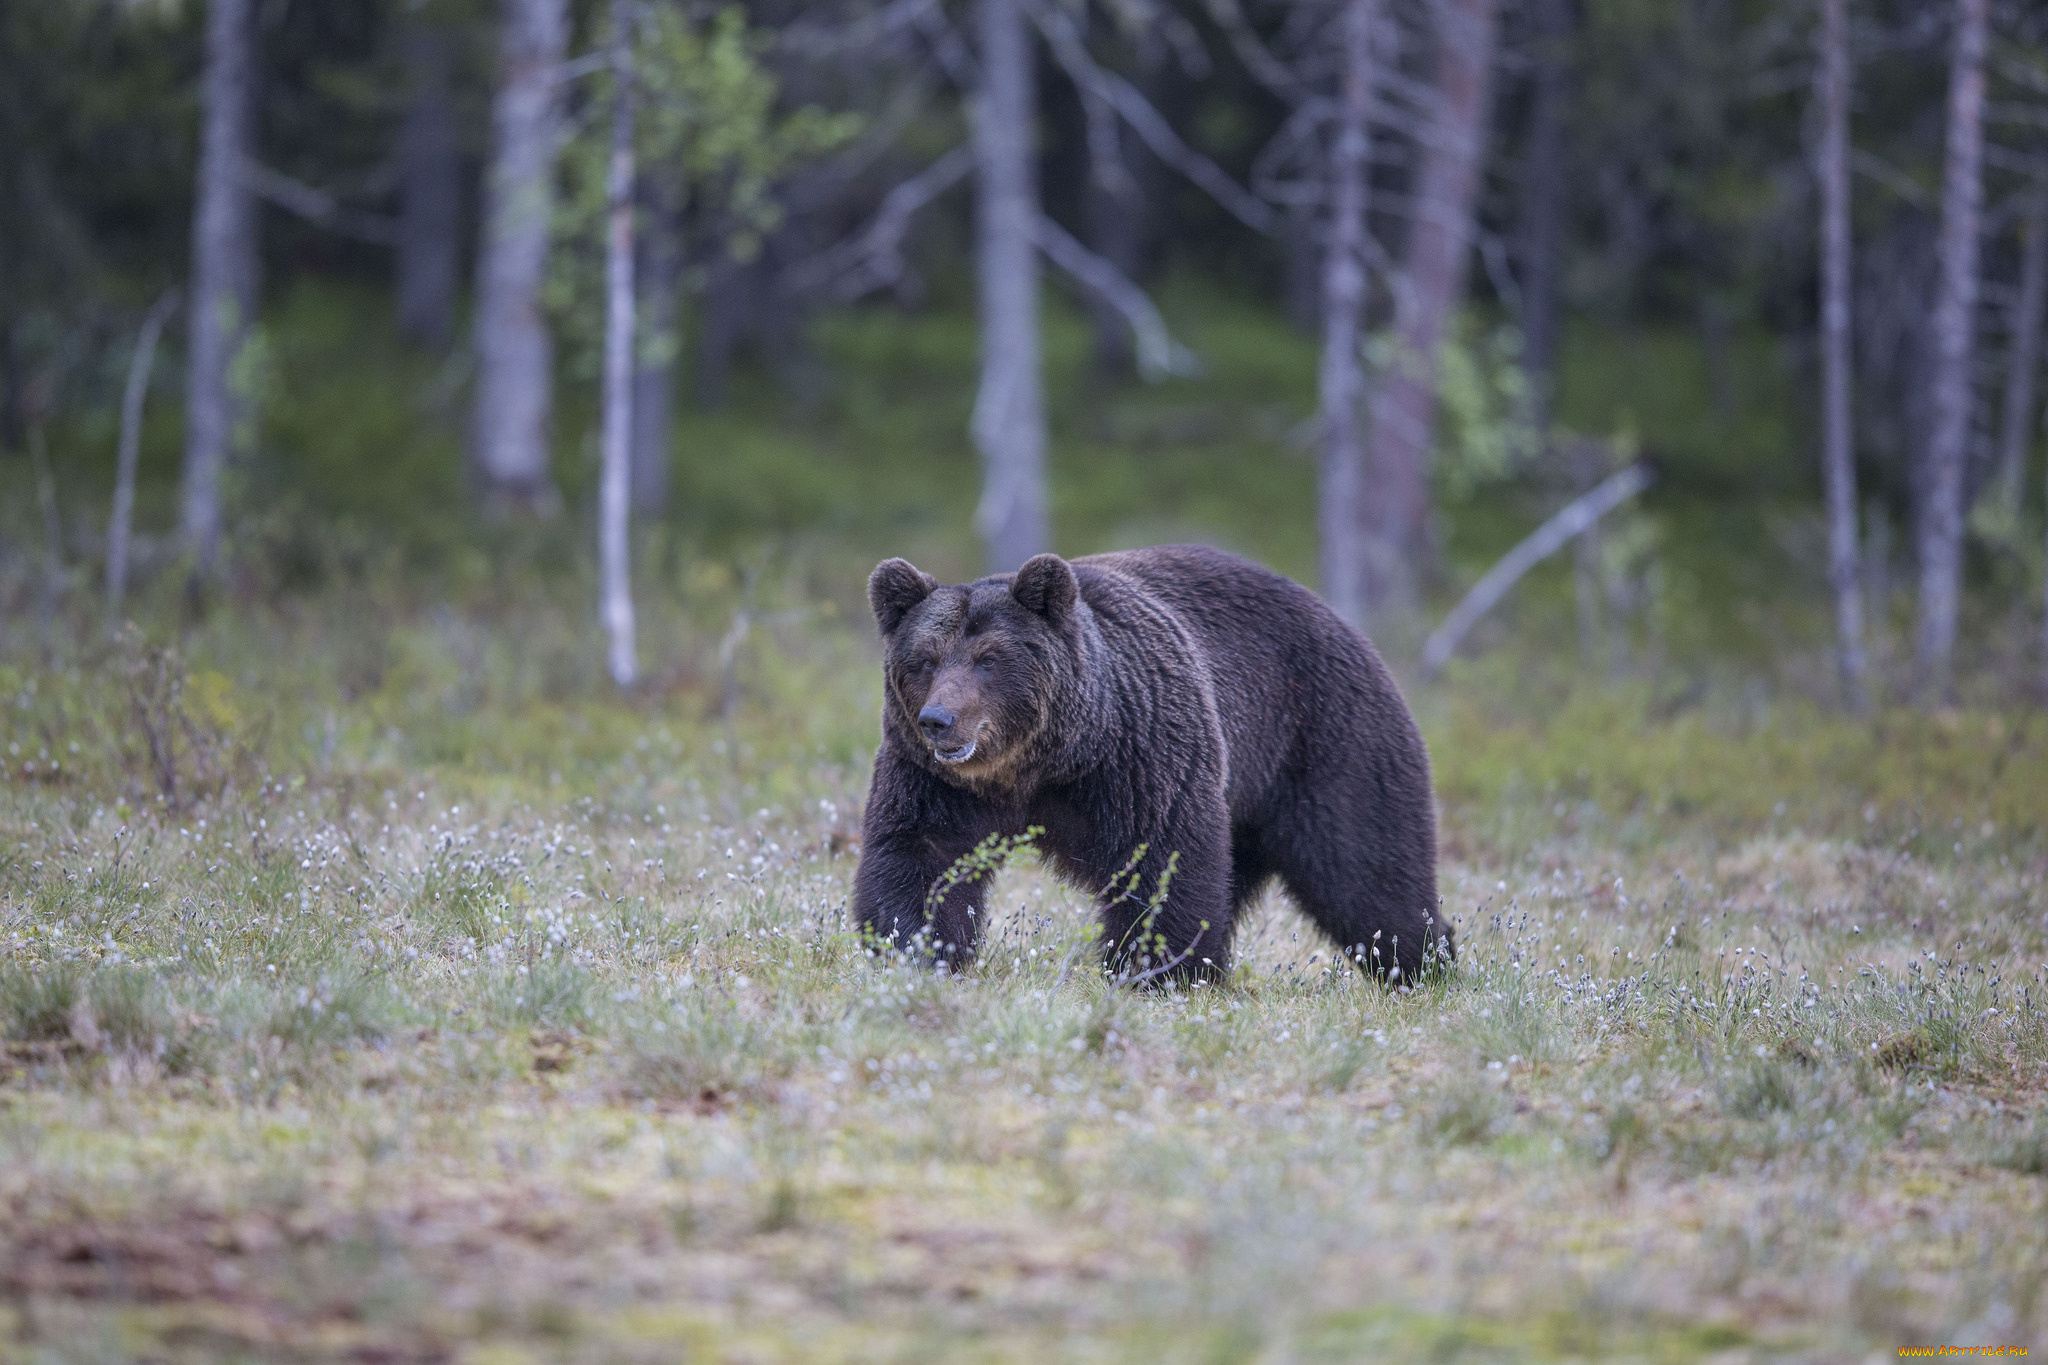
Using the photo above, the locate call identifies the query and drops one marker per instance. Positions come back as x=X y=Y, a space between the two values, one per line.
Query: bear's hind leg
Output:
x=1368 y=883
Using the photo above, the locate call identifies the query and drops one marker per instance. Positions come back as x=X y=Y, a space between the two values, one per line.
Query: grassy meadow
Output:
x=376 y=984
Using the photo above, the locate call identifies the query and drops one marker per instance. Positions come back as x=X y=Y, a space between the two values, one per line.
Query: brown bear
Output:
x=1176 y=713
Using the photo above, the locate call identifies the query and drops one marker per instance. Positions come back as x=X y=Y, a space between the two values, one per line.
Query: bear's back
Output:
x=1279 y=659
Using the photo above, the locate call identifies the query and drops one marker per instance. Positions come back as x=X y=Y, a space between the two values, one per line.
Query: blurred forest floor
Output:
x=377 y=983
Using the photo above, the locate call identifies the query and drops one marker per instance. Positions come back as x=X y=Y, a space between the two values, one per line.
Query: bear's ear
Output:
x=894 y=588
x=1047 y=586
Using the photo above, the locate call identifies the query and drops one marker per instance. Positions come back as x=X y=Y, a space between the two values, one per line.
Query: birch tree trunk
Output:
x=2016 y=424
x=428 y=194
x=1009 y=410
x=1954 y=326
x=1341 y=379
x=1838 y=460
x=658 y=279
x=515 y=354
x=223 y=280
x=615 y=479
x=1404 y=407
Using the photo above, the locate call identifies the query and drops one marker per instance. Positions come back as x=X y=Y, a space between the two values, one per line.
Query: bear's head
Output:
x=973 y=673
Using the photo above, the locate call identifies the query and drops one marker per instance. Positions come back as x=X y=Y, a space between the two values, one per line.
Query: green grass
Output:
x=476 y=1009
x=377 y=983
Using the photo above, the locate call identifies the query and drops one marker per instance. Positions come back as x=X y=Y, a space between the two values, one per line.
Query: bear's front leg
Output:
x=1169 y=917
x=910 y=836
x=898 y=897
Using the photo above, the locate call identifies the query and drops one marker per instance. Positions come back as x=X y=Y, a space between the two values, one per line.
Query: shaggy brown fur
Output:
x=1175 y=703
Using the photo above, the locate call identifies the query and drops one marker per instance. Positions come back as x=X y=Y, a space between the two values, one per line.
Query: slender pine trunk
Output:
x=658 y=279
x=615 y=479
x=1838 y=460
x=130 y=449
x=1954 y=326
x=429 y=190
x=1116 y=215
x=1404 y=407
x=1009 y=409
x=223 y=279
x=719 y=323
x=515 y=354
x=1341 y=377
x=1121 y=187
x=2016 y=424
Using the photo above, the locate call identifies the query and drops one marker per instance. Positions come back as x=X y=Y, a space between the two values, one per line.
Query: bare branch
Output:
x=955 y=58
x=823 y=184
x=318 y=206
x=2031 y=165
x=1870 y=164
x=1159 y=355
x=1072 y=54
x=820 y=41
x=1573 y=520
x=873 y=259
x=1264 y=67
x=2020 y=72
x=2017 y=111
x=1296 y=136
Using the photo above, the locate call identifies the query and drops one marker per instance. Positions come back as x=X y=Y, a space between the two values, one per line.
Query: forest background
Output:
x=442 y=444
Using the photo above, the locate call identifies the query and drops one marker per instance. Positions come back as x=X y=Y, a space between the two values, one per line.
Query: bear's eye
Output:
x=985 y=664
x=928 y=666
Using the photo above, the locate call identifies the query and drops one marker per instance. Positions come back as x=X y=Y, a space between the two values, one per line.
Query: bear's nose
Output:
x=935 y=720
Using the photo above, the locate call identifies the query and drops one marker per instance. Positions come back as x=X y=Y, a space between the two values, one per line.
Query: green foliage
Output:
x=1483 y=400
x=709 y=130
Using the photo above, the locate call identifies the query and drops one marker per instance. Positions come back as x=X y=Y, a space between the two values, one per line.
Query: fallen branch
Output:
x=1577 y=517
x=1158 y=354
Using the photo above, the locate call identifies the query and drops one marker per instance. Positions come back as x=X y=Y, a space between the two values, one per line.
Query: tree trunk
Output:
x=2016 y=425
x=727 y=300
x=1301 y=283
x=429 y=194
x=1116 y=214
x=128 y=454
x=223 y=280
x=13 y=424
x=1340 y=379
x=615 y=480
x=1121 y=186
x=1404 y=408
x=1009 y=410
x=515 y=354
x=1954 y=326
x=1544 y=190
x=1838 y=457
x=659 y=279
